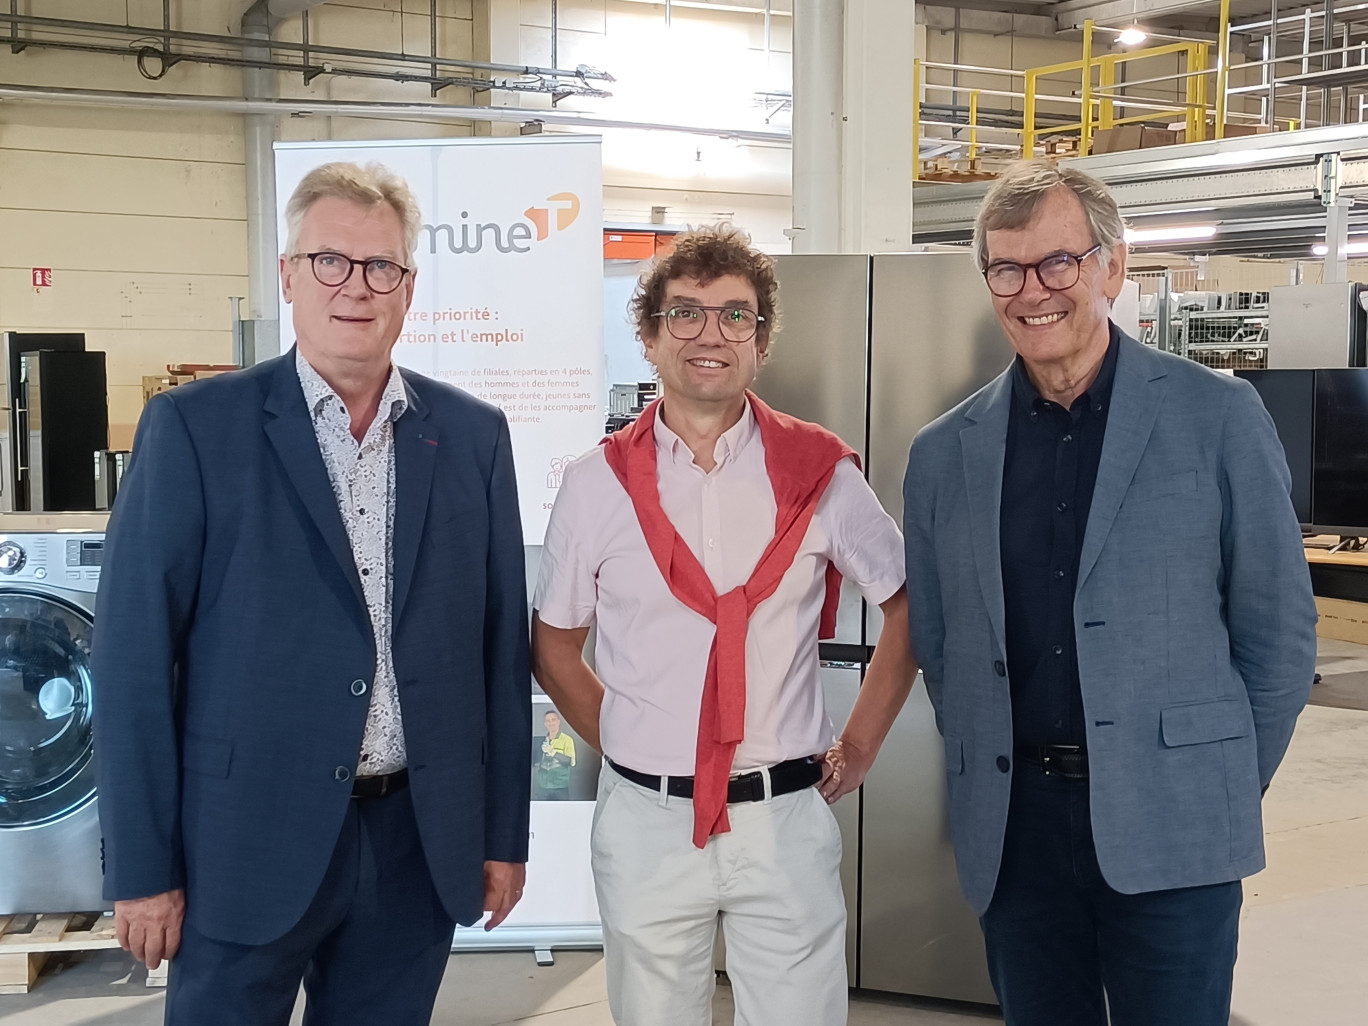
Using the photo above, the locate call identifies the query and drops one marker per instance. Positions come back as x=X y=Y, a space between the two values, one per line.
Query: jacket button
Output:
x=1004 y=763
x=358 y=687
x=342 y=773
x=1000 y=668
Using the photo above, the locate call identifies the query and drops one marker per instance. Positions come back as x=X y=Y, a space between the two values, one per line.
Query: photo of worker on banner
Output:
x=564 y=767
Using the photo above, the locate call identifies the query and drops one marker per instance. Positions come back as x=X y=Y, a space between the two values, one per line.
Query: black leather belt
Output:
x=1067 y=761
x=785 y=778
x=381 y=785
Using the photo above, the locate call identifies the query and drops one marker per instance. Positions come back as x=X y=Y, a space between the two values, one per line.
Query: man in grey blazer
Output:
x=1113 y=613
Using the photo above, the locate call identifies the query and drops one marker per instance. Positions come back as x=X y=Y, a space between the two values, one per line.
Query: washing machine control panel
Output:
x=61 y=560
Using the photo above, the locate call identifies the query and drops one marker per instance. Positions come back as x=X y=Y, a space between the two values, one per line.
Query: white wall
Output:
x=704 y=69
x=142 y=214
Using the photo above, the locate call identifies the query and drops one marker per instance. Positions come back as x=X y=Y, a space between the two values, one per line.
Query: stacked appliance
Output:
x=58 y=421
x=873 y=348
x=49 y=824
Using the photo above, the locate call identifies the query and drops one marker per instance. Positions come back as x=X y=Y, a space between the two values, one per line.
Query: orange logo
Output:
x=566 y=206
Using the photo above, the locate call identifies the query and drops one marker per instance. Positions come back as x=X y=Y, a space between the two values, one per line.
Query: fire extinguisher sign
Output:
x=42 y=277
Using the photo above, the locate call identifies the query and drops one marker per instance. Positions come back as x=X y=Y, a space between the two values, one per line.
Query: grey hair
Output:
x=367 y=185
x=1012 y=200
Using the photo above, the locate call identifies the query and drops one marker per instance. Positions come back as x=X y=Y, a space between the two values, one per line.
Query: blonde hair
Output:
x=367 y=185
x=1012 y=200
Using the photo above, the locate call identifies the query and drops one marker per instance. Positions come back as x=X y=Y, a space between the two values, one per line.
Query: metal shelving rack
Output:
x=1223 y=330
x=1226 y=339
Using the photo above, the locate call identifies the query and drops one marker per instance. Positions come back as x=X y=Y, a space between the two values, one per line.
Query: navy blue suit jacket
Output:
x=232 y=626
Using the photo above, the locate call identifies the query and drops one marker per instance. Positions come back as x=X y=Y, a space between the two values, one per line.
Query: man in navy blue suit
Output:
x=311 y=655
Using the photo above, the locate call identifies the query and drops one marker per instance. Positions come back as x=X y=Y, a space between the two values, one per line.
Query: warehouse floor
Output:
x=1303 y=945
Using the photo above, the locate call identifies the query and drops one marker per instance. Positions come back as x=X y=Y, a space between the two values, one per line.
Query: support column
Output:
x=1336 y=218
x=1336 y=242
x=817 y=63
x=880 y=41
x=498 y=40
x=263 y=249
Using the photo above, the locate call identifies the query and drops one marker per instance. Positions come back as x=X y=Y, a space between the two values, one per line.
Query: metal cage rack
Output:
x=1223 y=330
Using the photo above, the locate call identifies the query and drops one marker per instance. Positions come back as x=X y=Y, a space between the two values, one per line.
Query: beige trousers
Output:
x=773 y=882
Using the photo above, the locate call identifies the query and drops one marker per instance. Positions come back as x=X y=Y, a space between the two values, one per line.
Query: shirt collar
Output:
x=1098 y=393
x=393 y=401
x=729 y=446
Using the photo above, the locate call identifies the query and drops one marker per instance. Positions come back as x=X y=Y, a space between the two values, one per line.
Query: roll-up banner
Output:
x=508 y=304
x=508 y=294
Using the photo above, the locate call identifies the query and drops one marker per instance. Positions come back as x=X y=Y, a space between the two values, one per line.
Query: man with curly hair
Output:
x=707 y=543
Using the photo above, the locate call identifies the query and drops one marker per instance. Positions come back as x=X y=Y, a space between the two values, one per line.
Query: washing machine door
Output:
x=46 y=767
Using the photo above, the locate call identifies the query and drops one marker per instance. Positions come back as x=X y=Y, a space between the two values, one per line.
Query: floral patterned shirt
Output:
x=362 y=476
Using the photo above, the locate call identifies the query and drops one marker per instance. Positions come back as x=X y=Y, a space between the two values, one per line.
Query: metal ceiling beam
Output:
x=1252 y=186
x=1070 y=14
x=285 y=8
x=138 y=32
x=356 y=109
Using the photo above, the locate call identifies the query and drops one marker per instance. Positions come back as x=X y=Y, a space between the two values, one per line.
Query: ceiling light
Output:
x=1357 y=246
x=1178 y=233
x=1132 y=36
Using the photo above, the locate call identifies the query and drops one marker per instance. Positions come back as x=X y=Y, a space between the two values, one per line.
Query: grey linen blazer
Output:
x=1193 y=613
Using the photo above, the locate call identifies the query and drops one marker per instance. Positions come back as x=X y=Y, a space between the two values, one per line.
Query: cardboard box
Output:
x=1342 y=620
x=154 y=383
x=180 y=374
x=1235 y=131
x=1133 y=137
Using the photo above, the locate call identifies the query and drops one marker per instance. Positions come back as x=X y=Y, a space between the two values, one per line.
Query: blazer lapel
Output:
x=291 y=432
x=983 y=444
x=415 y=459
x=1137 y=392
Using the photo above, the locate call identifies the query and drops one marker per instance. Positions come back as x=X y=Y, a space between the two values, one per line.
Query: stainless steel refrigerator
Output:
x=874 y=348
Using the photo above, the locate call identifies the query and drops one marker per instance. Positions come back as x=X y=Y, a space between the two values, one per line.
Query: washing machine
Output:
x=49 y=823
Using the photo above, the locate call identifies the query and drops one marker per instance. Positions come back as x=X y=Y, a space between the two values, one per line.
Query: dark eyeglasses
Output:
x=736 y=323
x=1056 y=272
x=382 y=276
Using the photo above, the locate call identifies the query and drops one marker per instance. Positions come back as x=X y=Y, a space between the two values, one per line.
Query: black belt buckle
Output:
x=748 y=787
x=381 y=785
x=1067 y=761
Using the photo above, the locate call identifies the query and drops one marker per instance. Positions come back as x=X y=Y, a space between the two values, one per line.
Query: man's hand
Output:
x=843 y=770
x=503 y=888
x=150 y=928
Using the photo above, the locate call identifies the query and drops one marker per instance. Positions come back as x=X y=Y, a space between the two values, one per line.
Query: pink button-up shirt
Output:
x=652 y=650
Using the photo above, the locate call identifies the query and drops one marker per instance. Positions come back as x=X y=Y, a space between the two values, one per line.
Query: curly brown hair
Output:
x=705 y=254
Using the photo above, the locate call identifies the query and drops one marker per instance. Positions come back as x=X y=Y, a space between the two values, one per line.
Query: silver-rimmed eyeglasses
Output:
x=1056 y=272
x=382 y=276
x=686 y=321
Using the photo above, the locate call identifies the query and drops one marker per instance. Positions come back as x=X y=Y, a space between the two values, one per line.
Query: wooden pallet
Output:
x=27 y=941
x=942 y=170
x=1060 y=146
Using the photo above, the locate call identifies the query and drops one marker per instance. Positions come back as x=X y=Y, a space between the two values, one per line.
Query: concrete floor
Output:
x=1304 y=939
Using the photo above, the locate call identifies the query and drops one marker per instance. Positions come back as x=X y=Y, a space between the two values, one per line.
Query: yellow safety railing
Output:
x=1104 y=99
x=1204 y=94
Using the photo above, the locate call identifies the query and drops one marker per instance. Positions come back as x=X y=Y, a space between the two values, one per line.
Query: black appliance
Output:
x=1322 y=420
x=63 y=422
x=16 y=343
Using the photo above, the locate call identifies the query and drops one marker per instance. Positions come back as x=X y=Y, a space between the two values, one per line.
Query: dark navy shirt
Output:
x=1047 y=489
